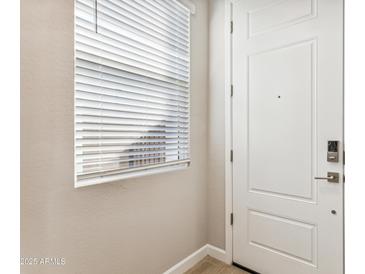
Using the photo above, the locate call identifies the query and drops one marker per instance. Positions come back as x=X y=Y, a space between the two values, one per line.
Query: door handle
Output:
x=332 y=177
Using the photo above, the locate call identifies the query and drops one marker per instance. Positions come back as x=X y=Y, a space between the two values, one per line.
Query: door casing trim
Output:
x=228 y=131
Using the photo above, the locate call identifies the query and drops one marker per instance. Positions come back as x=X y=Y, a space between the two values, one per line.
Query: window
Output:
x=132 y=88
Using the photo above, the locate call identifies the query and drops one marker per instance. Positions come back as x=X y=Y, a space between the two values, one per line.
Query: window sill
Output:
x=130 y=175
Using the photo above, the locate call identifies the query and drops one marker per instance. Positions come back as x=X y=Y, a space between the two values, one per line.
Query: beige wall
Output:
x=139 y=226
x=216 y=199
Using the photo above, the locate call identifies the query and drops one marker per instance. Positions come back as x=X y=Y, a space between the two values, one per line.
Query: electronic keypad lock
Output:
x=332 y=151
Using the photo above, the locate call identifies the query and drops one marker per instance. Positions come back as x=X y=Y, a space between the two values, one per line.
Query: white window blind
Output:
x=132 y=88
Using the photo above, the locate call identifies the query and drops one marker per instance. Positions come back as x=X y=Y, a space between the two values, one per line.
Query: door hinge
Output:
x=343 y=178
x=231 y=90
x=231 y=155
x=231 y=26
x=231 y=218
x=343 y=160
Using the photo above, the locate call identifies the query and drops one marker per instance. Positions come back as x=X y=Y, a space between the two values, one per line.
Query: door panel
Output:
x=281 y=124
x=288 y=103
x=299 y=241
x=279 y=14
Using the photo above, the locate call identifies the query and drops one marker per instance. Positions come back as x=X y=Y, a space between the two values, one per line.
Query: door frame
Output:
x=228 y=9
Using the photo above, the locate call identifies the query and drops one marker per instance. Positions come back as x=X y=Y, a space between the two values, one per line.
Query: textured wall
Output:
x=137 y=226
x=216 y=200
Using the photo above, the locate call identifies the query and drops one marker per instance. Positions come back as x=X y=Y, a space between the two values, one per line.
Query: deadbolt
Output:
x=332 y=151
x=332 y=177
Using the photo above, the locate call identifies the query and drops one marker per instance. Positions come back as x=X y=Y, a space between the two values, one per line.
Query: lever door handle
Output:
x=332 y=177
x=325 y=178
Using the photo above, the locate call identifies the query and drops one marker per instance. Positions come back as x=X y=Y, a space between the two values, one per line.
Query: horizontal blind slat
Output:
x=128 y=113
x=103 y=164
x=102 y=112
x=125 y=128
x=130 y=132
x=89 y=158
x=94 y=142
x=130 y=122
x=83 y=102
x=120 y=135
x=114 y=161
x=134 y=147
x=105 y=125
x=115 y=154
x=93 y=151
x=135 y=120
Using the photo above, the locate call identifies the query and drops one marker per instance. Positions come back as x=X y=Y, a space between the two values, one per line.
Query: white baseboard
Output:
x=217 y=253
x=195 y=257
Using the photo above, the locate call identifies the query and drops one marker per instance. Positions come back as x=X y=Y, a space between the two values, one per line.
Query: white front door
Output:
x=287 y=73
